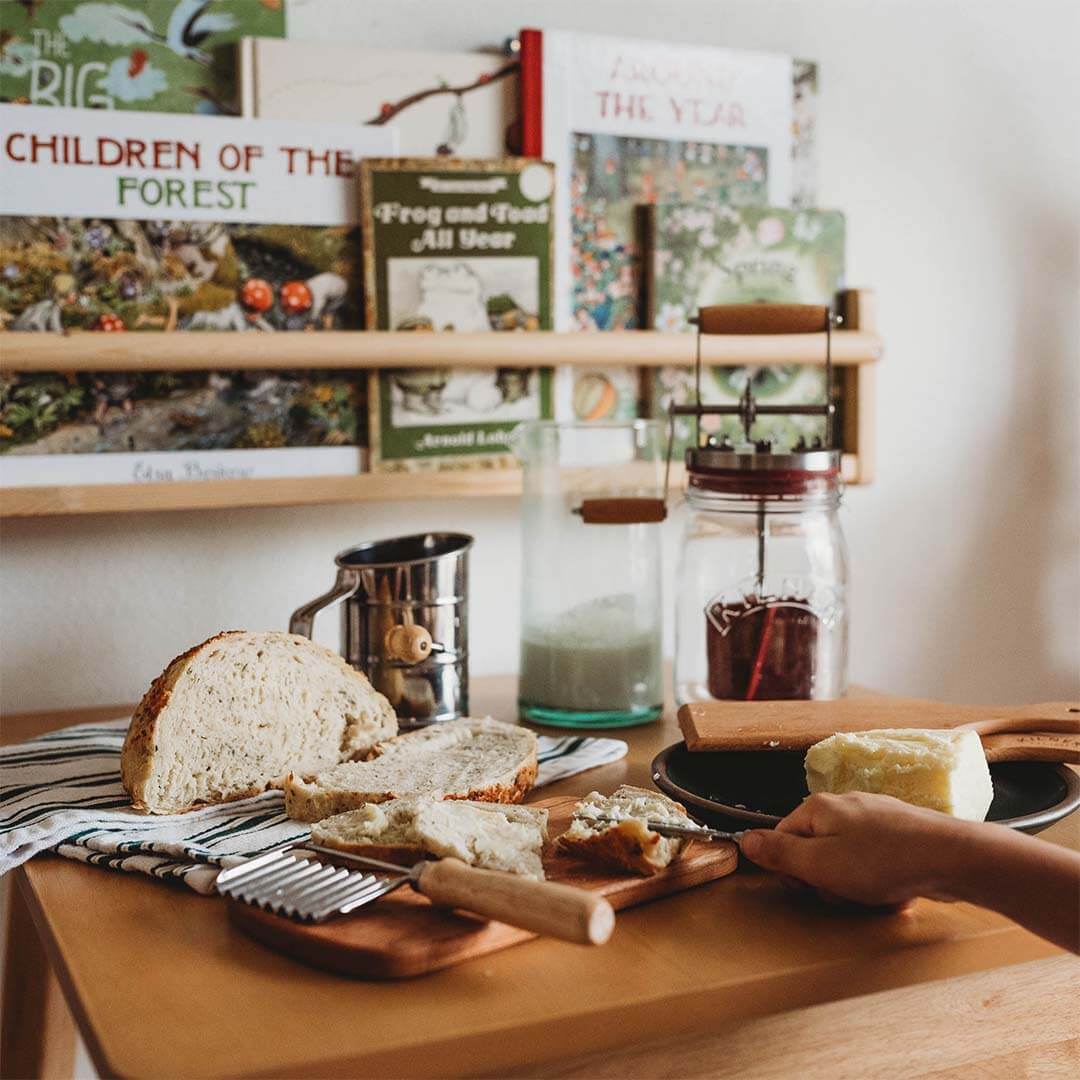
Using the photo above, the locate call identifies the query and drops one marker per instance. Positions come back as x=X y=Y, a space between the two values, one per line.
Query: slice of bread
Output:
x=460 y=759
x=628 y=844
x=230 y=717
x=489 y=835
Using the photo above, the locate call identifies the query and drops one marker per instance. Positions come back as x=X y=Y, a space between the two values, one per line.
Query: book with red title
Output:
x=629 y=122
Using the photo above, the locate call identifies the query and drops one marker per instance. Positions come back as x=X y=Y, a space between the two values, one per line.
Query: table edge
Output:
x=691 y=1011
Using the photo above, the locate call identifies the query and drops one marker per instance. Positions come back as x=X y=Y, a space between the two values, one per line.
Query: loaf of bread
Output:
x=482 y=760
x=940 y=769
x=232 y=716
x=490 y=835
x=628 y=843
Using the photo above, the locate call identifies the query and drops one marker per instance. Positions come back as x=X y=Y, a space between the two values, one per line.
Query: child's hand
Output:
x=871 y=849
x=876 y=850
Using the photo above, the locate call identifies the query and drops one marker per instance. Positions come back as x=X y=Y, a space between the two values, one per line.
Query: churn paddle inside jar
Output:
x=762 y=608
x=762 y=648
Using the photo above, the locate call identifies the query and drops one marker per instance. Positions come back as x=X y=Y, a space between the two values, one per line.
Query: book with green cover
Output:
x=698 y=255
x=455 y=245
x=176 y=56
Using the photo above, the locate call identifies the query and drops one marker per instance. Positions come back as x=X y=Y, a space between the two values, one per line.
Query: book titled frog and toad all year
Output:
x=455 y=245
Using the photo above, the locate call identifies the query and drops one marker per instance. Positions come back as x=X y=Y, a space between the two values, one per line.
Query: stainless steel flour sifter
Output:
x=404 y=621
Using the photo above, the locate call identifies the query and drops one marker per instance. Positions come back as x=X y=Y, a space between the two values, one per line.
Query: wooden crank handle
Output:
x=1032 y=747
x=410 y=644
x=628 y=511
x=559 y=911
x=763 y=319
x=1060 y=717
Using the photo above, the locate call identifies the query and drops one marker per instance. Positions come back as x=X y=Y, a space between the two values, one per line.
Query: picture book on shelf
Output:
x=628 y=122
x=455 y=245
x=635 y=122
x=176 y=56
x=455 y=104
x=804 y=155
x=588 y=392
x=697 y=255
x=112 y=226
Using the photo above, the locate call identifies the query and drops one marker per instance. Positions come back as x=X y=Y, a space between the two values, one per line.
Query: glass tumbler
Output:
x=591 y=593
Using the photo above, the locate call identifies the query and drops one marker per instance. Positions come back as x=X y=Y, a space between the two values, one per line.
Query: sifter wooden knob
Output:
x=410 y=644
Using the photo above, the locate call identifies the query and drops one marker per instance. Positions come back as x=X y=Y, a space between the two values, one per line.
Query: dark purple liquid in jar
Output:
x=766 y=650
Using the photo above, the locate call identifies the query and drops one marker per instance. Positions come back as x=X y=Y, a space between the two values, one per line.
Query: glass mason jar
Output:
x=762 y=609
x=591 y=609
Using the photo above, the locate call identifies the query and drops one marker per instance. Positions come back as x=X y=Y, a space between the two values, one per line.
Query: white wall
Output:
x=945 y=136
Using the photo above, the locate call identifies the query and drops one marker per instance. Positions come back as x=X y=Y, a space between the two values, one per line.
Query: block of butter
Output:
x=941 y=769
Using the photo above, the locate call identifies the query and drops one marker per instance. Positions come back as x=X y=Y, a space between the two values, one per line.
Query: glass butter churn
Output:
x=762 y=609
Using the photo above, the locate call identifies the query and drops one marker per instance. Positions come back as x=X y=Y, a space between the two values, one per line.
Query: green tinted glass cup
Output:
x=591 y=652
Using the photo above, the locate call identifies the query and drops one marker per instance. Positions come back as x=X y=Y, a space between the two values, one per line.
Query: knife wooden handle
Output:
x=797 y=725
x=559 y=911
x=1032 y=747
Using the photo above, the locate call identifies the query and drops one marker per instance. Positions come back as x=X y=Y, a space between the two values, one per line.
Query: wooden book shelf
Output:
x=364 y=349
x=856 y=350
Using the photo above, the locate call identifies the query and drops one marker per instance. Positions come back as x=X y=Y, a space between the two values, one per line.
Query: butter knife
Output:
x=679 y=832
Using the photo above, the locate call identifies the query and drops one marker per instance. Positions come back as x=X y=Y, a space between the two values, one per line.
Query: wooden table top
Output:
x=161 y=985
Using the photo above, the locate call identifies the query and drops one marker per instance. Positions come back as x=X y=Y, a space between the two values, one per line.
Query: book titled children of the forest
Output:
x=455 y=245
x=113 y=223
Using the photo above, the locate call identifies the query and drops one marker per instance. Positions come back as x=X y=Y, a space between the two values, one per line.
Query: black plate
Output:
x=757 y=788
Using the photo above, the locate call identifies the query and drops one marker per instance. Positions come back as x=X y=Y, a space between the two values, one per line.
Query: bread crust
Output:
x=629 y=845
x=514 y=792
x=303 y=802
x=136 y=756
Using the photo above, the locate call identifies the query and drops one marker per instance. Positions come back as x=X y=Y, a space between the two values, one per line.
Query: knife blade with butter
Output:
x=682 y=832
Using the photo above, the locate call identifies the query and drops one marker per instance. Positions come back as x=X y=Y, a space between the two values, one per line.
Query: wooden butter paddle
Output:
x=1046 y=732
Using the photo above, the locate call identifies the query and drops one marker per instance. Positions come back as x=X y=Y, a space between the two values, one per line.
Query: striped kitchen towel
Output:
x=62 y=791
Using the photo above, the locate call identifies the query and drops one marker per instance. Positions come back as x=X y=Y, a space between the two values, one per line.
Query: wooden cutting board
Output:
x=797 y=725
x=404 y=934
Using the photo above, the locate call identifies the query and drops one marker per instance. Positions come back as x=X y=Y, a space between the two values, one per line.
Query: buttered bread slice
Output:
x=940 y=769
x=489 y=835
x=232 y=716
x=484 y=760
x=627 y=843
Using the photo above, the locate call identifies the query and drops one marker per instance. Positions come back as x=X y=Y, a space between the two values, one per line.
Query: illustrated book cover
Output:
x=454 y=104
x=176 y=56
x=456 y=245
x=712 y=253
x=804 y=150
x=630 y=122
x=109 y=226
